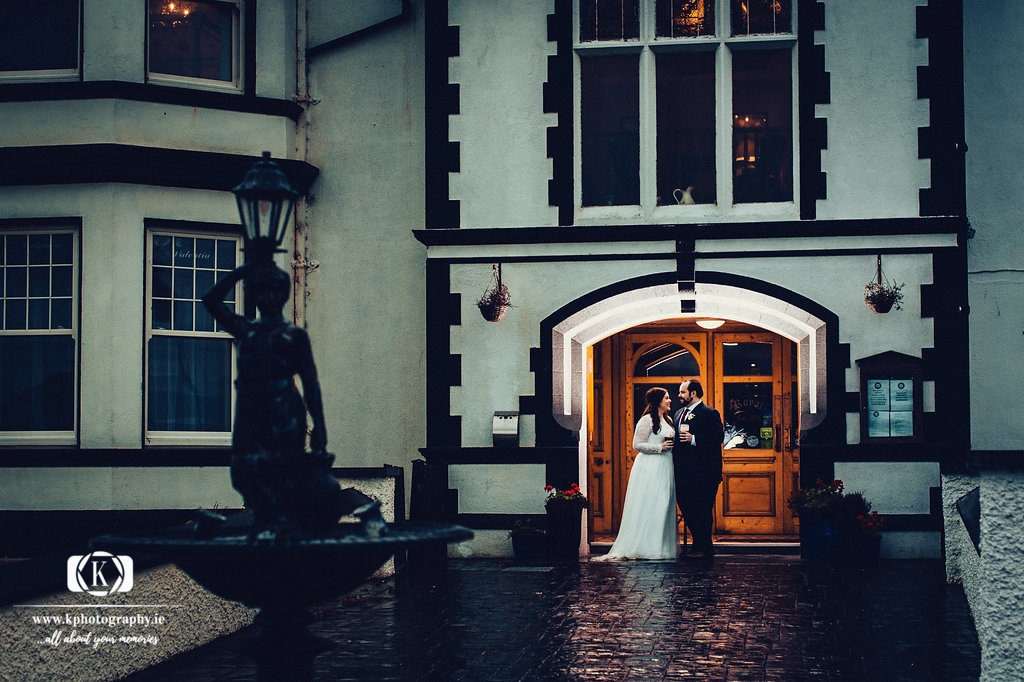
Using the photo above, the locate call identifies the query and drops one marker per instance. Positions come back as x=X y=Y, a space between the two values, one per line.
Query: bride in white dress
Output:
x=648 y=529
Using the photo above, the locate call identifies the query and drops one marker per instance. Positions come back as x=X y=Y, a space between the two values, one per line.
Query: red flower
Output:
x=549 y=487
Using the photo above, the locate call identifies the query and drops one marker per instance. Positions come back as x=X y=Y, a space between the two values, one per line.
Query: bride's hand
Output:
x=666 y=444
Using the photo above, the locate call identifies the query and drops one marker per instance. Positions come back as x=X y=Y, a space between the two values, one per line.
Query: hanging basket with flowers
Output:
x=882 y=295
x=496 y=301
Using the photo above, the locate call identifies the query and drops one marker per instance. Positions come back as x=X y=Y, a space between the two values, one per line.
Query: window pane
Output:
x=14 y=313
x=609 y=20
x=39 y=35
x=39 y=314
x=204 y=282
x=666 y=360
x=192 y=39
x=62 y=246
x=748 y=409
x=162 y=282
x=15 y=281
x=183 y=315
x=161 y=315
x=681 y=18
x=37 y=383
x=686 y=128
x=189 y=384
x=62 y=281
x=746 y=359
x=60 y=313
x=225 y=254
x=610 y=130
x=39 y=281
x=761 y=16
x=204 y=321
x=183 y=248
x=161 y=249
x=39 y=249
x=204 y=253
x=762 y=126
x=182 y=283
x=16 y=249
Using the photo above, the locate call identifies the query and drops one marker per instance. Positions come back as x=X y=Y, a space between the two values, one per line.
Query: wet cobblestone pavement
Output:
x=738 y=618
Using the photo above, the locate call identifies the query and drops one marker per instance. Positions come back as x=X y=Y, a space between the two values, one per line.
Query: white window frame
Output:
x=722 y=43
x=50 y=75
x=53 y=437
x=237 y=49
x=186 y=438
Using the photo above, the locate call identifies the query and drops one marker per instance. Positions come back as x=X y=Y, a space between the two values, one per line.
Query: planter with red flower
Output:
x=867 y=536
x=820 y=511
x=565 y=520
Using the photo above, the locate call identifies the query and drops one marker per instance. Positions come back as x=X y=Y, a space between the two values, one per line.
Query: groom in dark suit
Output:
x=697 y=457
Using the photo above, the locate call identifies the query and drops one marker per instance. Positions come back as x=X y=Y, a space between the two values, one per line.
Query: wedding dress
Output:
x=648 y=529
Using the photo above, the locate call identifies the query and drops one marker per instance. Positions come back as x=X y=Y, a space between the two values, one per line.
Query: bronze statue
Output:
x=289 y=490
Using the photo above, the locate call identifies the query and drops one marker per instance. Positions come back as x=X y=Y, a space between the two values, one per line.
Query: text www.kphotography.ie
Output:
x=80 y=619
x=88 y=638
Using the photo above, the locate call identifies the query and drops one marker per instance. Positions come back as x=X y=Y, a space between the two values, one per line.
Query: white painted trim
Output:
x=497 y=252
x=571 y=337
x=827 y=242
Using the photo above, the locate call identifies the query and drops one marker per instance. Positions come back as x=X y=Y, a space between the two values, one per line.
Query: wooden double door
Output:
x=748 y=375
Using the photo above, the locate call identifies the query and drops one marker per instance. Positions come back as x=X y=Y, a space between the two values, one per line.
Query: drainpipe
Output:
x=300 y=265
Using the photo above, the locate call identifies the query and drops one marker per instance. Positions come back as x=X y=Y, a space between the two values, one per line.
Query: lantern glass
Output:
x=265 y=202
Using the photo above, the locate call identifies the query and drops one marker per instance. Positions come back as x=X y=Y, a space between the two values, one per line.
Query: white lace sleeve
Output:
x=642 y=433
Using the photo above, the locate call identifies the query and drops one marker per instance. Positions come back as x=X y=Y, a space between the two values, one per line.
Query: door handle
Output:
x=778 y=441
x=598 y=461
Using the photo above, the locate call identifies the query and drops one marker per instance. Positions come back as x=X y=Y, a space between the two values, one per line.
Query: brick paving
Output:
x=738 y=618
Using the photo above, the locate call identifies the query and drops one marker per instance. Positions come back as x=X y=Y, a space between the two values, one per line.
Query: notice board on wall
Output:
x=891 y=401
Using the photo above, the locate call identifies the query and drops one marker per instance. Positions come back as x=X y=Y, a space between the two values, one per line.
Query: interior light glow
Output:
x=710 y=324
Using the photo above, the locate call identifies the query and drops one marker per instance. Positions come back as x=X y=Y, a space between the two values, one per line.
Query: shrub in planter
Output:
x=527 y=540
x=496 y=301
x=820 y=509
x=564 y=509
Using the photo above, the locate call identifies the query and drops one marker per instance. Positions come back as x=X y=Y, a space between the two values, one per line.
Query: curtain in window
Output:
x=37 y=383
x=189 y=384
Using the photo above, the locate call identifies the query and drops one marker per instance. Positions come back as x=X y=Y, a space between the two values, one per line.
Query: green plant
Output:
x=823 y=499
x=524 y=527
x=570 y=497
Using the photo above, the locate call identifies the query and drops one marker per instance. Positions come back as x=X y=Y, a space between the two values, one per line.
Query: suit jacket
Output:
x=701 y=461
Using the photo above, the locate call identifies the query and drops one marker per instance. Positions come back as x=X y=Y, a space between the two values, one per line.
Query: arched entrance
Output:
x=750 y=377
x=749 y=304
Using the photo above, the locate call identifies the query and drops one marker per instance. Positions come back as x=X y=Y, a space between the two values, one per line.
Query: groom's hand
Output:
x=685 y=437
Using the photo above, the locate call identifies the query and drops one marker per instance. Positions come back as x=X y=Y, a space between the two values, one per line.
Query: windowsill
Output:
x=188 y=438
x=193 y=83
x=32 y=438
x=696 y=213
x=40 y=76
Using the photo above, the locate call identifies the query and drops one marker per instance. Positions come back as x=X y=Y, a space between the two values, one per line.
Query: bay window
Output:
x=686 y=109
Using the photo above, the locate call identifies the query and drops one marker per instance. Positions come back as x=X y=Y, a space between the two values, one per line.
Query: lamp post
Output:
x=265 y=202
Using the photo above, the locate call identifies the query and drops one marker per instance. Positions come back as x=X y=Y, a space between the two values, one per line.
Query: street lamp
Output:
x=265 y=201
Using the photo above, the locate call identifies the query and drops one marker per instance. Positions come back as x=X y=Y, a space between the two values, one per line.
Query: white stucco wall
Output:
x=501 y=126
x=365 y=305
x=871 y=164
x=1001 y=624
x=994 y=181
x=496 y=356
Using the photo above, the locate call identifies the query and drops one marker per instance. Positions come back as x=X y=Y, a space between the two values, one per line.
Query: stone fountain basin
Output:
x=287 y=575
